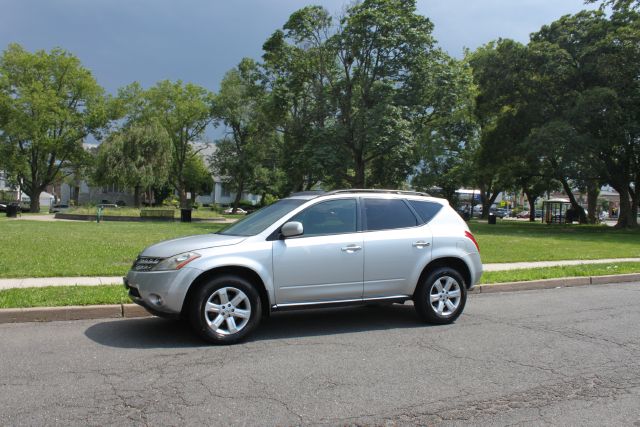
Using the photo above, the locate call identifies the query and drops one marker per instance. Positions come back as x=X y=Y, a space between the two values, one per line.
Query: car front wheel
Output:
x=441 y=297
x=225 y=310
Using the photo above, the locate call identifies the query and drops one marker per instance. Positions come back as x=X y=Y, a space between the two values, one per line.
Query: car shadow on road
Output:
x=161 y=333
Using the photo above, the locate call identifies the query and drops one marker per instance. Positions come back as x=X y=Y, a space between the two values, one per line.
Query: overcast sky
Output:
x=199 y=40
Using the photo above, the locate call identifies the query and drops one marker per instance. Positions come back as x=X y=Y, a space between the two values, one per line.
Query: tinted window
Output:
x=426 y=210
x=331 y=217
x=386 y=214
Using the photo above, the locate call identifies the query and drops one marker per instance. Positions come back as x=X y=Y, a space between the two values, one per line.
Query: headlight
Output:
x=176 y=262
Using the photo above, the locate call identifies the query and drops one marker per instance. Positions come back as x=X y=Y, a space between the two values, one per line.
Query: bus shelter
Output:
x=554 y=211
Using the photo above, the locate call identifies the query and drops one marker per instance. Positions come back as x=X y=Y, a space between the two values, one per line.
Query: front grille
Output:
x=145 y=263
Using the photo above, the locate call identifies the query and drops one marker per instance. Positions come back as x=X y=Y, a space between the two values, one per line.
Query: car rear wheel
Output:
x=225 y=310
x=441 y=297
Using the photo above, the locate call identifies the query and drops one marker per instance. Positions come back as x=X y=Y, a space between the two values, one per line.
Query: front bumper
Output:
x=162 y=293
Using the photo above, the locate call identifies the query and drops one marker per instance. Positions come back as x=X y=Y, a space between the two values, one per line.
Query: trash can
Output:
x=492 y=218
x=12 y=211
x=185 y=215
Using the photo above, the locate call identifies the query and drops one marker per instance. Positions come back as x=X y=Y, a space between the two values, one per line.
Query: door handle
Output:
x=351 y=248
x=420 y=244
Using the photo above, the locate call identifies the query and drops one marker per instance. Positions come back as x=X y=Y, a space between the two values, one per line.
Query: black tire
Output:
x=203 y=321
x=427 y=310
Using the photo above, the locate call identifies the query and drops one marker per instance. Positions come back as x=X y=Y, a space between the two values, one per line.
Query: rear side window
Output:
x=426 y=210
x=387 y=214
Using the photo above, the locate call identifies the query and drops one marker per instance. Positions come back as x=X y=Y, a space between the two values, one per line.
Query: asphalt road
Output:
x=566 y=356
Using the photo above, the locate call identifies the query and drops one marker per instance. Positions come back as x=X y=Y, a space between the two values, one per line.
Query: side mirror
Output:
x=292 y=228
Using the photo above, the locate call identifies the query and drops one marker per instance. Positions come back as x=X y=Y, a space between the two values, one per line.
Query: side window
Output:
x=426 y=210
x=387 y=214
x=330 y=217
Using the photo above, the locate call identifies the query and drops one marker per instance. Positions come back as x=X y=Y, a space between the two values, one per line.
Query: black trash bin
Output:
x=492 y=218
x=185 y=215
x=13 y=211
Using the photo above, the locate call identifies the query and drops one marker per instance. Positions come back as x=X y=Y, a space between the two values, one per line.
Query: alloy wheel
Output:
x=445 y=296
x=227 y=311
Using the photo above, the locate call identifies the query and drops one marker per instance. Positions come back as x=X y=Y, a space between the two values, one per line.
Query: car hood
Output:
x=172 y=247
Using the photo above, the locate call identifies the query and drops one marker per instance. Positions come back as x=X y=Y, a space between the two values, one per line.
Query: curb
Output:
x=74 y=312
x=565 y=282
x=128 y=311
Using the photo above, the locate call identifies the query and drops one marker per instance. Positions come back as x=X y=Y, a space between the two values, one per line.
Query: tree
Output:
x=198 y=179
x=616 y=5
x=379 y=45
x=502 y=110
x=603 y=98
x=356 y=94
x=184 y=110
x=50 y=104
x=137 y=156
x=240 y=106
x=299 y=68
x=448 y=137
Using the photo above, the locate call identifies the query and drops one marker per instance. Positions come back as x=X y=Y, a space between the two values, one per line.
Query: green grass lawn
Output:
x=522 y=275
x=513 y=241
x=46 y=249
x=202 y=213
x=57 y=296
x=49 y=249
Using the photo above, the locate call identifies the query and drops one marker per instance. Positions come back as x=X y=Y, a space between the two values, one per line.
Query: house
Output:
x=221 y=193
x=87 y=194
x=46 y=199
x=7 y=192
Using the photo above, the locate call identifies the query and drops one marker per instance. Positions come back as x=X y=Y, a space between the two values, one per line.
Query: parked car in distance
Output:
x=345 y=247
x=501 y=212
x=58 y=207
x=107 y=206
x=523 y=214
x=3 y=207
x=239 y=211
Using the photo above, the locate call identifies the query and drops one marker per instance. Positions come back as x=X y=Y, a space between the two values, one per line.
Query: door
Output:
x=326 y=262
x=396 y=248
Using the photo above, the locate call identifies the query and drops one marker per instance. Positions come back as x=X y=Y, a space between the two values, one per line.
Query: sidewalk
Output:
x=117 y=280
x=542 y=264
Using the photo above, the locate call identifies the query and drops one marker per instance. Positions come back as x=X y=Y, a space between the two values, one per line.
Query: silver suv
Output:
x=308 y=251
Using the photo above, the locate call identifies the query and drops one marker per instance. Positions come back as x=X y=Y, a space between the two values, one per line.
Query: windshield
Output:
x=258 y=221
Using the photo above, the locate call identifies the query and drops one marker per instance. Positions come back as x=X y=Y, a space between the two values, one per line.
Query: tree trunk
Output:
x=593 y=190
x=359 y=181
x=76 y=192
x=624 y=216
x=34 y=205
x=532 y=206
x=635 y=201
x=136 y=196
x=184 y=204
x=236 y=201
x=487 y=199
x=574 y=203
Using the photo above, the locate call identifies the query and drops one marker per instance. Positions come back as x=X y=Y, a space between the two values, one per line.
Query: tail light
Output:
x=473 y=239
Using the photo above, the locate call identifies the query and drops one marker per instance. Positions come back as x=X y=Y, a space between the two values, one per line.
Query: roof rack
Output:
x=307 y=193
x=355 y=190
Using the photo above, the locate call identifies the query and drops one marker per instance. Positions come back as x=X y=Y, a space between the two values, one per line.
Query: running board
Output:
x=338 y=303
